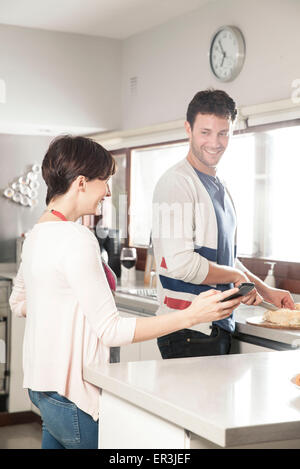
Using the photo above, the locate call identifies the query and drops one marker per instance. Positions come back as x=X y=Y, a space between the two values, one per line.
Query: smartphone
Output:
x=244 y=289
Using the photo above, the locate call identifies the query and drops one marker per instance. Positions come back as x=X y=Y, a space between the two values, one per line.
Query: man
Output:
x=194 y=231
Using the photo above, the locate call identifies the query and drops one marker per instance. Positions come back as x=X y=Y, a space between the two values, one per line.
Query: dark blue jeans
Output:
x=189 y=343
x=64 y=425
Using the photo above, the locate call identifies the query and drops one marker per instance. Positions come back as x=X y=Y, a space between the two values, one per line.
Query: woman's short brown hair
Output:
x=69 y=157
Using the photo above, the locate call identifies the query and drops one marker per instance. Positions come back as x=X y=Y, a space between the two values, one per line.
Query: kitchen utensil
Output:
x=270 y=306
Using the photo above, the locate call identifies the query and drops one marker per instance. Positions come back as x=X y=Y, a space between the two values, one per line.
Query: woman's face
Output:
x=96 y=191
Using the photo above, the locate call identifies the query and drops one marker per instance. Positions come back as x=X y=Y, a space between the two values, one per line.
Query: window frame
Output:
x=287 y=272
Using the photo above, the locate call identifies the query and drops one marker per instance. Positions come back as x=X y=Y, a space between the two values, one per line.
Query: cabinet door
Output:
x=238 y=346
x=245 y=347
x=18 y=397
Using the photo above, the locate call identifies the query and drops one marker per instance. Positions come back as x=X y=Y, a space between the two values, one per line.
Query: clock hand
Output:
x=223 y=52
x=221 y=47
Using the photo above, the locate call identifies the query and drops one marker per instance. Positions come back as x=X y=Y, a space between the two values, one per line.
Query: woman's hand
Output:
x=207 y=306
x=253 y=298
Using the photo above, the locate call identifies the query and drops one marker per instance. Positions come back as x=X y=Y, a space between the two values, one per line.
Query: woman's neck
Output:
x=66 y=208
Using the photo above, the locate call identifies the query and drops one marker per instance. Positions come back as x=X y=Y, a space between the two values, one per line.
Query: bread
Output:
x=284 y=316
x=297 y=380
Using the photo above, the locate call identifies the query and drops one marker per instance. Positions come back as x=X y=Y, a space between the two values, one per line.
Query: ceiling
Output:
x=109 y=18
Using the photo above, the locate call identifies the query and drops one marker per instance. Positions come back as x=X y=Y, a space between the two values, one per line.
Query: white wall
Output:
x=171 y=61
x=17 y=154
x=61 y=80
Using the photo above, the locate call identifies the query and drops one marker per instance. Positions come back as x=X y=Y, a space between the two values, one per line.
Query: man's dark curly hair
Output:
x=210 y=101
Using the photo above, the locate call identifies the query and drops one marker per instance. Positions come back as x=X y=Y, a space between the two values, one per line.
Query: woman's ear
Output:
x=81 y=183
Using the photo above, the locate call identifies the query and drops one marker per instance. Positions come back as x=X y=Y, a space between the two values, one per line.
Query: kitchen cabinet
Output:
x=18 y=400
x=18 y=397
x=12 y=369
x=239 y=346
x=5 y=288
x=230 y=401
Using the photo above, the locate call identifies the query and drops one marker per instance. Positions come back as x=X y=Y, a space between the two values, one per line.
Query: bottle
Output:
x=270 y=278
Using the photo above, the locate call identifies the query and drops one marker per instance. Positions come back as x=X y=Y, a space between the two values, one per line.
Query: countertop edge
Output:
x=224 y=437
x=162 y=408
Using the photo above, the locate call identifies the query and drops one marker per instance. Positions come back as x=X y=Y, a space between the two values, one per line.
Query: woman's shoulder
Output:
x=80 y=232
x=73 y=231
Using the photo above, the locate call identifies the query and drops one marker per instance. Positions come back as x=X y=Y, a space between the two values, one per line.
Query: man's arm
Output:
x=280 y=298
x=224 y=274
x=173 y=231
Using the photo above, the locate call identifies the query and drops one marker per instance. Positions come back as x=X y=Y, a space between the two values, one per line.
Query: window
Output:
x=284 y=196
x=114 y=208
x=147 y=166
x=261 y=170
x=237 y=170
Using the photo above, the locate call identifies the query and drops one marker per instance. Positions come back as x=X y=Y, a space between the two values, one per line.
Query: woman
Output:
x=62 y=289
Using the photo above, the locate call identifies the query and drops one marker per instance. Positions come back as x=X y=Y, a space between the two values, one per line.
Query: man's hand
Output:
x=280 y=298
x=253 y=298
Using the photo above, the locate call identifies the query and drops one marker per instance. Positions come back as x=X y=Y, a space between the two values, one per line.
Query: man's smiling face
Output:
x=209 y=138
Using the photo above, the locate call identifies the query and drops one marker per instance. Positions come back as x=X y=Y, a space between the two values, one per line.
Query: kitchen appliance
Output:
x=128 y=262
x=110 y=247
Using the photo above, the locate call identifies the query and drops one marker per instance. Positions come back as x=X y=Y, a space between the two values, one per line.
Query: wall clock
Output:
x=227 y=53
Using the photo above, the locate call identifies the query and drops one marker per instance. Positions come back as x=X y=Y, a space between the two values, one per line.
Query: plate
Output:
x=293 y=380
x=259 y=321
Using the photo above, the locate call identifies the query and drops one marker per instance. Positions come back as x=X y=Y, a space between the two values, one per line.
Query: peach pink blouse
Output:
x=71 y=316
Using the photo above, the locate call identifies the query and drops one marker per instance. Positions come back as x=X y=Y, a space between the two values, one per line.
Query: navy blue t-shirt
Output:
x=226 y=221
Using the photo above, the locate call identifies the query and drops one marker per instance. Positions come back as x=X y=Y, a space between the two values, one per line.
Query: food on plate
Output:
x=297 y=380
x=284 y=316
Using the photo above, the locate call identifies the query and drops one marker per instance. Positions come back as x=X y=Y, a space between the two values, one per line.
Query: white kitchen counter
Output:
x=225 y=401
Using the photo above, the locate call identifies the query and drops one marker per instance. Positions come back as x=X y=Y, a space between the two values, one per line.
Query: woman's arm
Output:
x=85 y=275
x=206 y=307
x=17 y=300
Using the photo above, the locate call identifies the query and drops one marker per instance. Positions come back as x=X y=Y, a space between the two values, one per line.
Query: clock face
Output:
x=227 y=53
